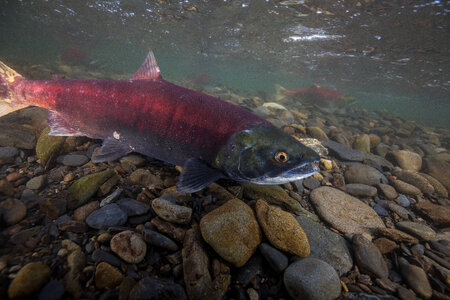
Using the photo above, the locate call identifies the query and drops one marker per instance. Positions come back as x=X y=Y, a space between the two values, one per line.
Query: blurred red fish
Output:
x=316 y=91
x=73 y=55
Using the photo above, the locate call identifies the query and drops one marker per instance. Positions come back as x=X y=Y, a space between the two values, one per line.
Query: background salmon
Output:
x=209 y=137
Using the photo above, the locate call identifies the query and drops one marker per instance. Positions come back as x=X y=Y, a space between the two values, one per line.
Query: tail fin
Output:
x=280 y=93
x=8 y=102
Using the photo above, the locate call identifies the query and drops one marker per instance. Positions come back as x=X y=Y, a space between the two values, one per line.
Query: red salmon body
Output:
x=158 y=118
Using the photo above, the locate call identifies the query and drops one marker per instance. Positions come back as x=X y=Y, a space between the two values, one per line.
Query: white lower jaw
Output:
x=286 y=177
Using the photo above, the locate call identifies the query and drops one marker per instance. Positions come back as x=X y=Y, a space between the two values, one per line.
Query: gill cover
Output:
x=264 y=154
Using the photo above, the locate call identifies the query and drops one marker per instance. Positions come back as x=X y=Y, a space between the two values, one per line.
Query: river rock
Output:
x=364 y=174
x=414 y=179
x=327 y=245
x=282 y=230
x=133 y=207
x=439 y=169
x=276 y=195
x=18 y=136
x=107 y=216
x=159 y=240
x=13 y=211
x=8 y=155
x=368 y=258
x=53 y=207
x=360 y=190
x=82 y=212
x=37 y=183
x=48 y=146
x=362 y=143
x=345 y=212
x=385 y=245
x=173 y=231
x=317 y=133
x=53 y=290
x=218 y=288
x=100 y=255
x=405 y=188
x=312 y=279
x=418 y=230
x=416 y=278
x=195 y=265
x=107 y=276
x=145 y=179
x=129 y=246
x=232 y=231
x=72 y=160
x=29 y=280
x=171 y=212
x=387 y=191
x=342 y=152
x=6 y=187
x=438 y=187
x=276 y=259
x=397 y=235
x=86 y=187
x=439 y=215
x=152 y=288
x=405 y=159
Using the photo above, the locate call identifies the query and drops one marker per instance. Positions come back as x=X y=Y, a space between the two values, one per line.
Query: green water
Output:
x=390 y=56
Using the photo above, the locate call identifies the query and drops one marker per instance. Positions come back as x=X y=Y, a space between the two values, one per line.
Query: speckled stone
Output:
x=418 y=230
x=345 y=212
x=407 y=160
x=364 y=174
x=129 y=246
x=368 y=258
x=405 y=188
x=107 y=276
x=361 y=190
x=232 y=231
x=387 y=191
x=414 y=179
x=171 y=212
x=282 y=230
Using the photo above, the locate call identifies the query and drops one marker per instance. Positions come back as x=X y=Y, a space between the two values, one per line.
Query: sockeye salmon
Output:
x=210 y=138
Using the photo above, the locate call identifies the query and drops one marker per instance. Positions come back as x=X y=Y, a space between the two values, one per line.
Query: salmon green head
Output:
x=266 y=155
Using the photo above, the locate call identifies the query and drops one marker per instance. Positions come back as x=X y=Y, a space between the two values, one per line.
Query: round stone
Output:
x=312 y=279
x=72 y=160
x=107 y=276
x=30 y=279
x=107 y=216
x=129 y=246
x=364 y=174
x=13 y=211
x=232 y=231
x=171 y=212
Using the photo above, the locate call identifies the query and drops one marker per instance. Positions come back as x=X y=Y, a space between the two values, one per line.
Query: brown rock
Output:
x=388 y=191
x=405 y=188
x=397 y=235
x=13 y=211
x=385 y=245
x=407 y=160
x=6 y=188
x=232 y=231
x=129 y=246
x=195 y=265
x=414 y=179
x=173 y=231
x=82 y=212
x=282 y=230
x=439 y=169
x=107 y=276
x=438 y=214
x=438 y=187
x=29 y=280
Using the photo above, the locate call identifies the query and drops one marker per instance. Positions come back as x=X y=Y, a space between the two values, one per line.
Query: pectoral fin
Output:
x=196 y=175
x=111 y=149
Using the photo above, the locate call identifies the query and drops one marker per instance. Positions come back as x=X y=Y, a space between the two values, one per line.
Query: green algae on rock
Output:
x=85 y=187
x=48 y=146
x=30 y=279
x=276 y=195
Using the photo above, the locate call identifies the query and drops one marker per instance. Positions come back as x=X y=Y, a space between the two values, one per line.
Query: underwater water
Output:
x=389 y=55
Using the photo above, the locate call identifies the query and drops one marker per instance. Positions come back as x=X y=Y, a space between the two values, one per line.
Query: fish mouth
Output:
x=300 y=172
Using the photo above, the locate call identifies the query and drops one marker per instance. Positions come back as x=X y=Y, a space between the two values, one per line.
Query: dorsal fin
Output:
x=149 y=68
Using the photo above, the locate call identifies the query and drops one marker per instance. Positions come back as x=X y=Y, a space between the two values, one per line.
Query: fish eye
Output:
x=281 y=157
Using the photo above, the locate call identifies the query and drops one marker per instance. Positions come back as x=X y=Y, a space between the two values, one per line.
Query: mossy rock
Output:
x=86 y=187
x=48 y=146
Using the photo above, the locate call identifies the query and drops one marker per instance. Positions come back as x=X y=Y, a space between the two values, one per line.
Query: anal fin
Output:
x=196 y=175
x=59 y=126
x=111 y=149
